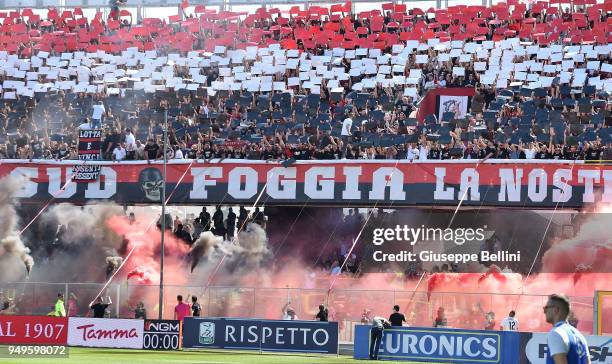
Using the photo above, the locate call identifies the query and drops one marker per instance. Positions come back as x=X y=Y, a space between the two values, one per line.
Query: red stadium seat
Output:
x=348 y=44
x=12 y=48
x=114 y=24
x=502 y=20
x=20 y=28
x=379 y=45
x=289 y=44
x=376 y=24
x=309 y=44
x=71 y=45
x=337 y=8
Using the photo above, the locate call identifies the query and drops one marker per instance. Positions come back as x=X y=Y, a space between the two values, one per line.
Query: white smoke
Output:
x=85 y=249
x=203 y=246
x=81 y=225
x=11 y=245
x=252 y=245
x=112 y=264
x=247 y=251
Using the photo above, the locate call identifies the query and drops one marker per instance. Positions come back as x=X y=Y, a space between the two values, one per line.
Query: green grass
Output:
x=125 y=356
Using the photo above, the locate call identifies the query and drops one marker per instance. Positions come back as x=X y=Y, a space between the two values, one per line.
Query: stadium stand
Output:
x=320 y=83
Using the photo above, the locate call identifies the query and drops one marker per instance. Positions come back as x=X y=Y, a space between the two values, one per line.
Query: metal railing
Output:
x=345 y=305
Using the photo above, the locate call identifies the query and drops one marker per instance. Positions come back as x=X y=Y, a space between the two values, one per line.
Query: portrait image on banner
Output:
x=457 y=105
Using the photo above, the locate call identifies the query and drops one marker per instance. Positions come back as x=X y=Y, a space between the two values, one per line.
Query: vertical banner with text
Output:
x=90 y=145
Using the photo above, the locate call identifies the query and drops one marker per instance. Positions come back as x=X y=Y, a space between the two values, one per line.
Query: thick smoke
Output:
x=577 y=266
x=95 y=240
x=81 y=226
x=83 y=247
x=12 y=248
x=590 y=250
x=143 y=245
x=203 y=246
x=112 y=264
x=245 y=253
x=248 y=251
x=253 y=243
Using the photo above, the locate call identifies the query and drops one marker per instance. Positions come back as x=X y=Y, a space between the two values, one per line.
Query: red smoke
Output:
x=464 y=296
x=144 y=261
x=143 y=265
x=502 y=295
x=590 y=249
x=142 y=276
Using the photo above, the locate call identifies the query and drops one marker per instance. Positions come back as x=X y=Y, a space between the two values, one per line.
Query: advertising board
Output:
x=105 y=333
x=264 y=335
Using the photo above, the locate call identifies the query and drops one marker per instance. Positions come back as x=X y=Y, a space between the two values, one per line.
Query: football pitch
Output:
x=122 y=356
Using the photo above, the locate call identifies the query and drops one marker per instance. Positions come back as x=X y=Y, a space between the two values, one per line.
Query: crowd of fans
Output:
x=343 y=121
x=226 y=224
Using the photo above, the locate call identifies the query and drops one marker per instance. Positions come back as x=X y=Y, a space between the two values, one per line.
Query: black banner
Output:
x=518 y=184
x=85 y=173
x=90 y=144
x=265 y=335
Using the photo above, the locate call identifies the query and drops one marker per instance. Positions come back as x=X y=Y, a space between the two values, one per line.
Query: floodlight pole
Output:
x=163 y=219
